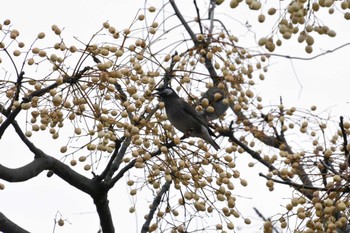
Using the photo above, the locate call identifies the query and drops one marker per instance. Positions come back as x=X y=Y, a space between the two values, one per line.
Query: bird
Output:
x=184 y=117
x=214 y=97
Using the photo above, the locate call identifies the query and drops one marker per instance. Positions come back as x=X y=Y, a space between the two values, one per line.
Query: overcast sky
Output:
x=323 y=81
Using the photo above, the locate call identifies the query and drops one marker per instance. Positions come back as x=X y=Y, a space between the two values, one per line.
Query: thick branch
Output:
x=111 y=160
x=97 y=190
x=7 y=226
x=118 y=159
x=41 y=164
x=44 y=162
x=24 y=173
x=104 y=214
x=155 y=205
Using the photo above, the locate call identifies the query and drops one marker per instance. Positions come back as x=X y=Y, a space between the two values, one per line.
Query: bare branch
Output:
x=111 y=160
x=208 y=63
x=24 y=173
x=301 y=187
x=198 y=16
x=6 y=225
x=303 y=58
x=132 y=164
x=97 y=190
x=119 y=157
x=11 y=116
x=183 y=22
x=257 y=156
x=155 y=205
x=345 y=143
x=44 y=162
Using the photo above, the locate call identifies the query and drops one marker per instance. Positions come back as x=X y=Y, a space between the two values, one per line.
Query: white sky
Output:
x=33 y=204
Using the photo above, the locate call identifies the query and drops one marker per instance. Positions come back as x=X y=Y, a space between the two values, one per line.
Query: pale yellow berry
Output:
x=60 y=222
x=244 y=182
x=133 y=192
x=141 y=17
x=30 y=61
x=63 y=149
x=271 y=11
x=28 y=133
x=73 y=162
x=87 y=167
x=41 y=35
x=234 y=3
x=16 y=53
x=151 y=9
x=308 y=49
x=230 y=226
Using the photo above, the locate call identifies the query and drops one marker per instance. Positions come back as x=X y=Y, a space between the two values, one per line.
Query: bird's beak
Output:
x=157 y=93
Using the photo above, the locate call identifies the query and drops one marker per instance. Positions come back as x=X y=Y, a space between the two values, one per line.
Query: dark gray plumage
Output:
x=184 y=117
x=217 y=103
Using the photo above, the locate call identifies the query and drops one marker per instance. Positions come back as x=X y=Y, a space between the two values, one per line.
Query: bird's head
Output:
x=165 y=92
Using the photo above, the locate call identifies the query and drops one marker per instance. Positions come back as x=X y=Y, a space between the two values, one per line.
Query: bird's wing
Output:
x=197 y=117
x=210 y=95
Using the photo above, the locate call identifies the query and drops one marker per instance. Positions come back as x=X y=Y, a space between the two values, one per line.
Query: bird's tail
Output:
x=214 y=144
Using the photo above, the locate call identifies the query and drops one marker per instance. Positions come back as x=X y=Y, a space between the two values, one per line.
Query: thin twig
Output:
x=302 y=187
x=198 y=16
x=302 y=58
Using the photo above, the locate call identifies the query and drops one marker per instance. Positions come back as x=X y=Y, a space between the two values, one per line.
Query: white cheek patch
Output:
x=167 y=91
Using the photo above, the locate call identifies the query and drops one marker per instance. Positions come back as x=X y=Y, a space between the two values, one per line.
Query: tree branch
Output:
x=345 y=143
x=302 y=58
x=24 y=173
x=118 y=159
x=7 y=226
x=208 y=64
x=155 y=205
x=132 y=164
x=183 y=22
x=111 y=160
x=301 y=187
x=198 y=16
x=257 y=156
x=12 y=115
x=43 y=162
x=97 y=190
x=275 y=142
x=104 y=213
x=254 y=154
